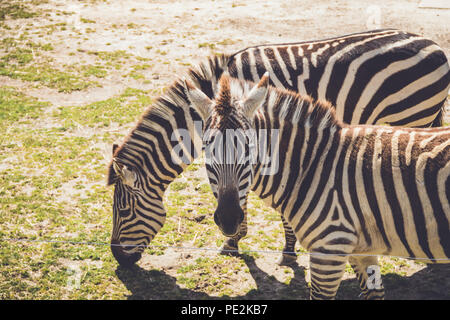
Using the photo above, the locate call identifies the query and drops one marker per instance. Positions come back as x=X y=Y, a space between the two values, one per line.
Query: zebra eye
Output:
x=124 y=212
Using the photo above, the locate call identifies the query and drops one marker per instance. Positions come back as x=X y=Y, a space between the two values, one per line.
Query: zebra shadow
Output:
x=432 y=282
x=155 y=285
x=159 y=285
x=269 y=287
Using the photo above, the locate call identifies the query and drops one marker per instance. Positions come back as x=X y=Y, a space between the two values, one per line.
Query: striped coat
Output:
x=346 y=190
x=375 y=77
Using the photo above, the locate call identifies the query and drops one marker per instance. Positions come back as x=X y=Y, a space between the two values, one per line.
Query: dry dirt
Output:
x=187 y=31
x=177 y=33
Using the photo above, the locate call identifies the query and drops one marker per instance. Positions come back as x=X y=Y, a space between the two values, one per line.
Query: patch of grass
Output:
x=111 y=55
x=178 y=186
x=40 y=46
x=45 y=75
x=204 y=188
x=17 y=56
x=132 y=25
x=96 y=71
x=27 y=64
x=161 y=52
x=226 y=42
x=14 y=105
x=193 y=167
x=15 y=10
x=121 y=109
x=51 y=28
x=85 y=20
x=135 y=75
x=51 y=184
x=207 y=45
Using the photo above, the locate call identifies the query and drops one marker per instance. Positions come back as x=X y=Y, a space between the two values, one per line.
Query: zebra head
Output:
x=136 y=220
x=228 y=140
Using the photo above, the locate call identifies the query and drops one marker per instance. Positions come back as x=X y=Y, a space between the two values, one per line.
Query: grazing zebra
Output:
x=346 y=190
x=389 y=65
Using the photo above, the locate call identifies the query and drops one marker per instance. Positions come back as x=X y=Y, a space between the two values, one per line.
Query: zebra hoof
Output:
x=287 y=259
x=229 y=250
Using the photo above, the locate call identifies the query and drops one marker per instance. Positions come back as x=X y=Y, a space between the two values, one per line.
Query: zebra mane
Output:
x=290 y=106
x=205 y=76
x=174 y=103
x=303 y=110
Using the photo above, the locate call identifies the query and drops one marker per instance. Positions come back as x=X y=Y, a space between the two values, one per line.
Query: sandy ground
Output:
x=187 y=31
x=175 y=34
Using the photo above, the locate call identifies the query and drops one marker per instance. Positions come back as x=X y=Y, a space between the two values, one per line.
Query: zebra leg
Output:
x=288 y=256
x=439 y=120
x=369 y=278
x=230 y=245
x=326 y=274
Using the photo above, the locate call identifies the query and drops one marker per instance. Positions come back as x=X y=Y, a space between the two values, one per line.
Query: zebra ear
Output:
x=127 y=176
x=114 y=148
x=256 y=96
x=200 y=101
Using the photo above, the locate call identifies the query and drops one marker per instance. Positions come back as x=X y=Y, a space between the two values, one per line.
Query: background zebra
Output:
x=142 y=167
x=346 y=190
x=376 y=77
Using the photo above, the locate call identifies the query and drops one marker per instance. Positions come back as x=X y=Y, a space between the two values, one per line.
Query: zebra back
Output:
x=376 y=77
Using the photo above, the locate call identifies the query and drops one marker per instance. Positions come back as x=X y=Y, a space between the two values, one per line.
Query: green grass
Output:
x=51 y=187
x=204 y=188
x=96 y=71
x=26 y=60
x=118 y=55
x=121 y=109
x=207 y=45
x=14 y=105
x=177 y=186
x=85 y=20
x=15 y=10
x=46 y=76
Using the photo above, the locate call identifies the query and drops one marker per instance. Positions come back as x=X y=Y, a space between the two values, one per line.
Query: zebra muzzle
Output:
x=124 y=258
x=228 y=216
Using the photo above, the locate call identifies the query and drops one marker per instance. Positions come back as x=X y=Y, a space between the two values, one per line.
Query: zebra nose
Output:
x=229 y=218
x=229 y=214
x=123 y=258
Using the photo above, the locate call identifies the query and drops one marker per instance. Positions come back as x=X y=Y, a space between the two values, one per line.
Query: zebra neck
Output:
x=168 y=136
x=161 y=150
x=291 y=150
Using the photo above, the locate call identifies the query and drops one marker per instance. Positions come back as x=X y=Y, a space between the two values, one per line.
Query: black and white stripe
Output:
x=346 y=190
x=376 y=77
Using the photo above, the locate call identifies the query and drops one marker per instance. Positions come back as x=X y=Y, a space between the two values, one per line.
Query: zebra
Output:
x=370 y=77
x=349 y=192
x=142 y=166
